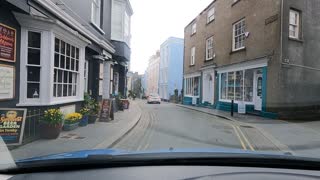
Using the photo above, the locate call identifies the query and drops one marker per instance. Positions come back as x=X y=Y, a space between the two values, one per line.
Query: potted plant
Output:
x=85 y=113
x=51 y=123
x=71 y=121
x=93 y=112
x=93 y=107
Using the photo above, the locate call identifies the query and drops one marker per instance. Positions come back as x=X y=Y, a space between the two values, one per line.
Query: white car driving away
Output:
x=154 y=98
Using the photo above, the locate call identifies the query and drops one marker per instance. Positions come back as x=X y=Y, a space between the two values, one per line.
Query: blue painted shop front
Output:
x=225 y=105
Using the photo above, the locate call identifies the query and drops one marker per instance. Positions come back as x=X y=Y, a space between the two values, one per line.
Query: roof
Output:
x=201 y=12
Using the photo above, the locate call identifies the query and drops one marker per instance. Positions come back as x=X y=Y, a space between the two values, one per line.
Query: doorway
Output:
x=257 y=98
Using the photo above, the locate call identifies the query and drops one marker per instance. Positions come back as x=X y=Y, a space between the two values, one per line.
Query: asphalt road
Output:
x=168 y=126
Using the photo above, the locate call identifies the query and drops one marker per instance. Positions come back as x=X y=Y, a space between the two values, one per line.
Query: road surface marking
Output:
x=246 y=140
x=237 y=133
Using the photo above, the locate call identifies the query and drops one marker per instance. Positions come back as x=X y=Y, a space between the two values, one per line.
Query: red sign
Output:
x=105 y=110
x=7 y=43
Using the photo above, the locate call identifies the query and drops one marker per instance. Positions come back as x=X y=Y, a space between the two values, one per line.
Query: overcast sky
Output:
x=154 y=21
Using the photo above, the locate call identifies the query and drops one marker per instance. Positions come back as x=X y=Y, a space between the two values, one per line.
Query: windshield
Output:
x=159 y=75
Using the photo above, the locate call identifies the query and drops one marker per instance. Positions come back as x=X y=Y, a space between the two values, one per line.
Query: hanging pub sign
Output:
x=7 y=43
x=12 y=125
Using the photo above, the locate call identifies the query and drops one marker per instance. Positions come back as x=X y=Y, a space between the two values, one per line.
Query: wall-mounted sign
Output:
x=7 y=43
x=7 y=79
x=12 y=125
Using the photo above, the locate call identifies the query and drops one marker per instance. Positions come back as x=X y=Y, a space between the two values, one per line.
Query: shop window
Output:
x=237 y=85
x=231 y=85
x=66 y=69
x=33 y=65
x=224 y=86
x=248 y=85
x=192 y=86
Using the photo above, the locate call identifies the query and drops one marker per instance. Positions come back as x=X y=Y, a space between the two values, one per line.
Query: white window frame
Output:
x=86 y=76
x=193 y=56
x=189 y=83
x=33 y=65
x=74 y=72
x=209 y=49
x=48 y=33
x=242 y=34
x=294 y=22
x=211 y=15
x=193 y=28
x=96 y=12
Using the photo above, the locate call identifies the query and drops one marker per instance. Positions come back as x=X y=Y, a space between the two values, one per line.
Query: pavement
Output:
x=301 y=138
x=94 y=136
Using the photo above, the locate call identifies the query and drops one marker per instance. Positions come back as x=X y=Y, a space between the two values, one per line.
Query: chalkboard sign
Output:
x=105 y=110
x=12 y=125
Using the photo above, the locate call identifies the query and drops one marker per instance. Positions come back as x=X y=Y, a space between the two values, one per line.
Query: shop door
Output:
x=258 y=92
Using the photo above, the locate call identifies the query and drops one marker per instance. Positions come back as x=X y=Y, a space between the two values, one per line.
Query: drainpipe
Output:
x=281 y=29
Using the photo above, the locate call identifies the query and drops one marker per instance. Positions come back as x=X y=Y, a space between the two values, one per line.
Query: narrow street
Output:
x=168 y=126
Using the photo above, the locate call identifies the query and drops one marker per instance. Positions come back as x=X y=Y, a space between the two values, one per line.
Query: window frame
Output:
x=193 y=56
x=238 y=36
x=211 y=15
x=27 y=65
x=193 y=28
x=189 y=84
x=211 y=48
x=96 y=12
x=298 y=24
x=64 y=70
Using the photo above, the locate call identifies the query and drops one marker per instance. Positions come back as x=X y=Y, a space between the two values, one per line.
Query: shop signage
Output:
x=12 y=125
x=105 y=110
x=7 y=43
x=7 y=81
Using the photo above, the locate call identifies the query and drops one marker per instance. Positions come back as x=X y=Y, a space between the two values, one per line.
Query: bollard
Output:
x=232 y=103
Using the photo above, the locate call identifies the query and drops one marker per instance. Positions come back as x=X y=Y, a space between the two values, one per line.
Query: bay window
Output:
x=52 y=63
x=66 y=69
x=192 y=86
x=33 y=65
x=237 y=85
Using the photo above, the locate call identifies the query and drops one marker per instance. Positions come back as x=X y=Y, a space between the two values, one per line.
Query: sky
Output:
x=154 y=21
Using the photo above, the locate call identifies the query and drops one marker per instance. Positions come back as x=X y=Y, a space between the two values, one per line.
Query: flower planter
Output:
x=70 y=127
x=92 y=119
x=48 y=131
x=84 y=121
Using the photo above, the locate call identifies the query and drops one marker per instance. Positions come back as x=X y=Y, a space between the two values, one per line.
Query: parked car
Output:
x=154 y=98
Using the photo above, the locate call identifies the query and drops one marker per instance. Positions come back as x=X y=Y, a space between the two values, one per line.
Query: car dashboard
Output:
x=174 y=172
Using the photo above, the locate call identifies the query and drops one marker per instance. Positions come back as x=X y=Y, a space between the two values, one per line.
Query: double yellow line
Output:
x=242 y=138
